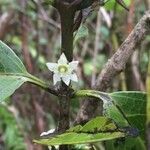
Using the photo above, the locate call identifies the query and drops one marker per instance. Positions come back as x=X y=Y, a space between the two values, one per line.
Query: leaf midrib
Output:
x=116 y=135
x=28 y=77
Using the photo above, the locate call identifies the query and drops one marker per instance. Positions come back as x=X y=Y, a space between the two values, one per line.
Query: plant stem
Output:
x=42 y=84
x=67 y=20
x=89 y=93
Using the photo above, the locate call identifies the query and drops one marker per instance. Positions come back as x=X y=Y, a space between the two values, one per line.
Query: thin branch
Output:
x=116 y=64
x=118 y=61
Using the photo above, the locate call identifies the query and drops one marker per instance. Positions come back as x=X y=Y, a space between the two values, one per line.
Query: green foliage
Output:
x=13 y=73
x=122 y=107
x=96 y=130
x=133 y=105
x=110 y=109
x=127 y=110
x=112 y=4
x=9 y=84
x=126 y=144
x=12 y=136
x=9 y=62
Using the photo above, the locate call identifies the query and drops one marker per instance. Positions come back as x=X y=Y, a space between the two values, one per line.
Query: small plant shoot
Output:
x=71 y=78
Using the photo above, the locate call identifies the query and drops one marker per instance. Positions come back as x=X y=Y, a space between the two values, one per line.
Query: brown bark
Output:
x=67 y=15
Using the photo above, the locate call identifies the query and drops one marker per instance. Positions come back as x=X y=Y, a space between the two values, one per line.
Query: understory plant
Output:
x=123 y=116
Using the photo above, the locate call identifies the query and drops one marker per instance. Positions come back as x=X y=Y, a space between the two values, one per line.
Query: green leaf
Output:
x=9 y=62
x=112 y=4
x=8 y=85
x=109 y=107
x=98 y=124
x=133 y=105
x=13 y=73
x=128 y=108
x=127 y=144
x=125 y=108
x=96 y=130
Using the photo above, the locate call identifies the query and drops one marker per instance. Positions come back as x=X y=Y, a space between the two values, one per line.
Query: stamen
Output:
x=63 y=68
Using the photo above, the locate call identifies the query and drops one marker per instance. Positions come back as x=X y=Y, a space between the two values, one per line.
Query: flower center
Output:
x=62 y=68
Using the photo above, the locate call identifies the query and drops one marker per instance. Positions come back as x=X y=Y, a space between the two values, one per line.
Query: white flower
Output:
x=47 y=132
x=63 y=70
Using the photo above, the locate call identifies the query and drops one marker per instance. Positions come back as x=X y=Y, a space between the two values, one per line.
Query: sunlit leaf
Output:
x=128 y=110
x=113 y=4
x=13 y=73
x=96 y=130
x=133 y=105
x=8 y=85
x=110 y=109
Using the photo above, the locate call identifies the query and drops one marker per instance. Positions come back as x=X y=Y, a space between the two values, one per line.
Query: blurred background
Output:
x=32 y=30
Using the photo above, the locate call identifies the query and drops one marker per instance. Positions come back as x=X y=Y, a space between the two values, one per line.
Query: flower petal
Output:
x=74 y=77
x=73 y=65
x=47 y=132
x=66 y=79
x=62 y=59
x=52 y=66
x=56 y=78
